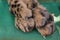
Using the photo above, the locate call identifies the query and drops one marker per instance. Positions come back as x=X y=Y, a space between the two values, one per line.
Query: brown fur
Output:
x=29 y=13
x=22 y=13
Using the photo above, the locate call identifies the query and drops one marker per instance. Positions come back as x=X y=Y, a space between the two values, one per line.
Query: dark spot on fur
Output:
x=18 y=9
x=20 y=16
x=13 y=6
x=21 y=6
x=15 y=13
x=27 y=5
x=42 y=13
x=51 y=18
x=18 y=5
x=34 y=4
x=51 y=25
x=15 y=1
x=30 y=17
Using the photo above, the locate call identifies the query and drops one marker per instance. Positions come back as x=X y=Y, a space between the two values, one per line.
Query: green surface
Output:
x=49 y=0
x=9 y=32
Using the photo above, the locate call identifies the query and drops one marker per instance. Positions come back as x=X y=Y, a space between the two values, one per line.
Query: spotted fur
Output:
x=30 y=14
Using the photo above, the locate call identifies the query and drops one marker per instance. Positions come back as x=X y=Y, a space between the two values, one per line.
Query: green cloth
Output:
x=8 y=31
